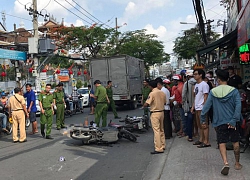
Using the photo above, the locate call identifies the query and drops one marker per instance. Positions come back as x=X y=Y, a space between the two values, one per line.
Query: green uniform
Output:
x=112 y=102
x=47 y=117
x=145 y=93
x=101 y=106
x=59 y=97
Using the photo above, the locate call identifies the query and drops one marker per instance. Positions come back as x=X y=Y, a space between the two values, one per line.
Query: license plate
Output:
x=140 y=126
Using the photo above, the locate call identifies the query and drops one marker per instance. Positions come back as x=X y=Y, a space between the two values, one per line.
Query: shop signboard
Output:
x=246 y=73
x=224 y=63
x=244 y=53
x=244 y=25
x=14 y=55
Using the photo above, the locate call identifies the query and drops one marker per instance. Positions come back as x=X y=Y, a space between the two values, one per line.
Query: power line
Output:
x=89 y=13
x=20 y=3
x=18 y=17
x=79 y=11
x=72 y=12
x=47 y=4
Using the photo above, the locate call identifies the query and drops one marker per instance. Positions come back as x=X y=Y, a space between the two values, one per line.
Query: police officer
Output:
x=156 y=100
x=102 y=106
x=59 y=104
x=145 y=92
x=112 y=102
x=47 y=111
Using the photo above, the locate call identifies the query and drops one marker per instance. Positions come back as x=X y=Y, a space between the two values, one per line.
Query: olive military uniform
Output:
x=156 y=101
x=101 y=107
x=59 y=97
x=145 y=92
x=112 y=102
x=46 y=100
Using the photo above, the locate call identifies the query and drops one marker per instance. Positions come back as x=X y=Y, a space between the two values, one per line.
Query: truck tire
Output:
x=133 y=104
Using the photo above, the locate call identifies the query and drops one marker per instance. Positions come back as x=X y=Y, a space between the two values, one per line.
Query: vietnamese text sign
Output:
x=224 y=63
x=246 y=73
x=15 y=55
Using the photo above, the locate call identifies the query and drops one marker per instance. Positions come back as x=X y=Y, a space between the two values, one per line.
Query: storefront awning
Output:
x=222 y=42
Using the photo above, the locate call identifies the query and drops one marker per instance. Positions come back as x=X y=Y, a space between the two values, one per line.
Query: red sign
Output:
x=244 y=25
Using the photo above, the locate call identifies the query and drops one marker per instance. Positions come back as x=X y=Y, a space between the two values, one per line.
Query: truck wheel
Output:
x=133 y=105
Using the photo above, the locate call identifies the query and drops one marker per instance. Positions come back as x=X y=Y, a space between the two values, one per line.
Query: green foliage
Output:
x=79 y=83
x=185 y=46
x=138 y=44
x=63 y=62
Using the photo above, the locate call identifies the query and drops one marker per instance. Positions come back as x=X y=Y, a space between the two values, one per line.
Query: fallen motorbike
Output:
x=93 y=134
x=123 y=133
x=136 y=123
x=245 y=131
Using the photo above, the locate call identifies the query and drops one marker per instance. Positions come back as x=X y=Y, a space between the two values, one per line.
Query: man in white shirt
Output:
x=167 y=121
x=201 y=91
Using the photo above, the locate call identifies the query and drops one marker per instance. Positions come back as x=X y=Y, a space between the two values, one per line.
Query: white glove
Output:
x=65 y=106
x=55 y=108
x=175 y=102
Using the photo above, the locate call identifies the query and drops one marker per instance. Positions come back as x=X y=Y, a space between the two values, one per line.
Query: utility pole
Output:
x=35 y=29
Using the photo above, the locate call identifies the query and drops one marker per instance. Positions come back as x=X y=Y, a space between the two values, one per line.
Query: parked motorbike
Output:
x=92 y=134
x=245 y=131
x=4 y=110
x=123 y=133
x=136 y=123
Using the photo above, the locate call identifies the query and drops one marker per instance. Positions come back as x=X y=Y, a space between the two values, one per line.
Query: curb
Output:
x=157 y=163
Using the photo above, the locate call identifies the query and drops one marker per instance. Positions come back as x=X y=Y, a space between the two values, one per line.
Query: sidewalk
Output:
x=184 y=161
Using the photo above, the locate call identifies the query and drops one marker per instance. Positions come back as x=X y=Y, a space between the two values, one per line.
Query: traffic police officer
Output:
x=112 y=102
x=145 y=92
x=156 y=100
x=59 y=103
x=102 y=106
x=47 y=112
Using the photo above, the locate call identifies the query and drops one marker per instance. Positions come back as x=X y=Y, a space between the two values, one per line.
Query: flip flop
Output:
x=202 y=145
x=238 y=168
x=197 y=143
x=190 y=140
x=31 y=133
x=225 y=170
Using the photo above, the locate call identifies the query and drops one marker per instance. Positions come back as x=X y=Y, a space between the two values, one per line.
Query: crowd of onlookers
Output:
x=193 y=101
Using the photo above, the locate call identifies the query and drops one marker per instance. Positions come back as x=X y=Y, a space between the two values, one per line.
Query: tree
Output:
x=84 y=40
x=138 y=44
x=185 y=46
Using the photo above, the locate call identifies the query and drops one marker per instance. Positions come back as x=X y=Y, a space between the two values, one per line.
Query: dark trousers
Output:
x=189 y=125
x=167 y=124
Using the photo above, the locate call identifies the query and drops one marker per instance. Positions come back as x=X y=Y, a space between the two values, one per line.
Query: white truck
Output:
x=126 y=74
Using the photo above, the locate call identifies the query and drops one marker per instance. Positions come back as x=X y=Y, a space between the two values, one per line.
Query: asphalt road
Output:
x=38 y=158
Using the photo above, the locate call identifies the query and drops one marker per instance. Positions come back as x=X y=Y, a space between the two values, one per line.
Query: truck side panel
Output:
x=118 y=75
x=134 y=75
x=99 y=70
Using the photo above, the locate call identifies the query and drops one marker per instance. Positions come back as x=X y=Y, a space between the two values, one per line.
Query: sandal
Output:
x=238 y=167
x=202 y=145
x=225 y=170
x=190 y=140
x=197 y=143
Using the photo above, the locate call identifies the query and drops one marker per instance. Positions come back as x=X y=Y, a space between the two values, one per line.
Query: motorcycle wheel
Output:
x=127 y=135
x=146 y=121
x=27 y=122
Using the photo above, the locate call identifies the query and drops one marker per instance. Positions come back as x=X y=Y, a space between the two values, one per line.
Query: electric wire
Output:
x=80 y=11
x=72 y=12
x=47 y=4
x=20 y=3
x=18 y=17
x=90 y=14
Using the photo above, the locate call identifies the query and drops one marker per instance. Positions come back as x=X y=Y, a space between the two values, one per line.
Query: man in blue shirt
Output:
x=31 y=107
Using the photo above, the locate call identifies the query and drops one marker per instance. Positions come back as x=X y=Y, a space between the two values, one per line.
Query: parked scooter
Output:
x=4 y=110
x=245 y=131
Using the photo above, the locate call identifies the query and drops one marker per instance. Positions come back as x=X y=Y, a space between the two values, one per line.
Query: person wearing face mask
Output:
x=234 y=80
